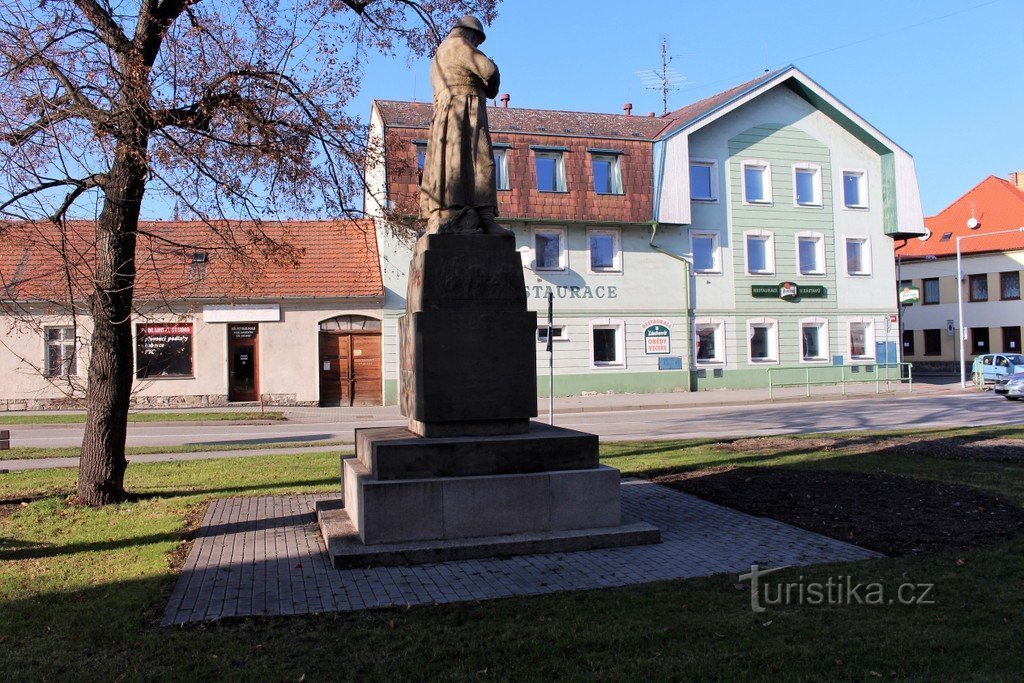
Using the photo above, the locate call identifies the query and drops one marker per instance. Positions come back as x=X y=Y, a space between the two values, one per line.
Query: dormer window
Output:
x=607 y=172
x=550 y=167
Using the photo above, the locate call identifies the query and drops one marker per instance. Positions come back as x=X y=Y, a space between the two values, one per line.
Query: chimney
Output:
x=650 y=114
x=628 y=108
x=505 y=97
x=1017 y=178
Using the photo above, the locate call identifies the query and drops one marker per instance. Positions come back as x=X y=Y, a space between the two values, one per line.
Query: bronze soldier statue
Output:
x=458 y=193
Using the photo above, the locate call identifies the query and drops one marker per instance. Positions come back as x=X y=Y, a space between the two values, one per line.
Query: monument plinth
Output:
x=471 y=476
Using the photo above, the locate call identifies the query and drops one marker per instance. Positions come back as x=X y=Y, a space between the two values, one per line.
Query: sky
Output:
x=944 y=79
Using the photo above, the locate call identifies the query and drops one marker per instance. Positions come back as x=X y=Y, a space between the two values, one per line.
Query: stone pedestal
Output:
x=472 y=475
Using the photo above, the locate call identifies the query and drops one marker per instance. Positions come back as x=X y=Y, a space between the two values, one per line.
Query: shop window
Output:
x=163 y=350
x=764 y=341
x=1011 y=339
x=710 y=341
x=814 y=341
x=862 y=340
x=979 y=340
x=908 y=342
x=61 y=358
x=933 y=342
x=350 y=323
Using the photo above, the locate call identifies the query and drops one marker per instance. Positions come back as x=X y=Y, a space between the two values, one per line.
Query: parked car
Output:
x=1010 y=386
x=990 y=366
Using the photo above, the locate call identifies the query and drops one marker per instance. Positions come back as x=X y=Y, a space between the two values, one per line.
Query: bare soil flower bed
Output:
x=891 y=514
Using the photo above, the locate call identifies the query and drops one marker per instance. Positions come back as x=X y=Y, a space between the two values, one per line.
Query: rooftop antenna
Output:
x=665 y=79
x=413 y=86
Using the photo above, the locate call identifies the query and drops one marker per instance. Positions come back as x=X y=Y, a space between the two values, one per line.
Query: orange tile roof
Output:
x=997 y=205
x=322 y=259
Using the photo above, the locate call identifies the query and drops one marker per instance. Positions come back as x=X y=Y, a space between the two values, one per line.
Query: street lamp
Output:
x=960 y=296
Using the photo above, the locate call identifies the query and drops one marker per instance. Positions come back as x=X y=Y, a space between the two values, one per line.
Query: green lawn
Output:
x=141 y=416
x=82 y=590
x=32 y=453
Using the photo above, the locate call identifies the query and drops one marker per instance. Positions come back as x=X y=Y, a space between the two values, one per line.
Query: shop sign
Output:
x=910 y=295
x=657 y=337
x=788 y=291
x=573 y=292
x=163 y=350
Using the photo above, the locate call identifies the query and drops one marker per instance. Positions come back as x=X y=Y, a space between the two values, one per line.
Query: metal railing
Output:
x=842 y=375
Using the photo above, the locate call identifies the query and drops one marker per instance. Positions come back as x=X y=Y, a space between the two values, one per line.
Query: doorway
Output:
x=350 y=361
x=243 y=362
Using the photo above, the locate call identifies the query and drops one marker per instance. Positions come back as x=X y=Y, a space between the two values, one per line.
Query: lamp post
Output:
x=960 y=296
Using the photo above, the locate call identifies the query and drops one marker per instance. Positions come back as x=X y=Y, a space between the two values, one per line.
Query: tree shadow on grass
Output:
x=151 y=493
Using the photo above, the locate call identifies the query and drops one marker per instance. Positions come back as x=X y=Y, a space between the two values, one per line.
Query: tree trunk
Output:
x=103 y=462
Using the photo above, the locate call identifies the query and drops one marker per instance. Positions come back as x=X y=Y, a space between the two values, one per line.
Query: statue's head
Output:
x=472 y=27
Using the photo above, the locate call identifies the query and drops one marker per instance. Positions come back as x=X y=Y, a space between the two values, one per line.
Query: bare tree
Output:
x=230 y=109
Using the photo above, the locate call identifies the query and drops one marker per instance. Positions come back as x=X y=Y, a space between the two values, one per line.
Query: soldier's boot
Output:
x=487 y=214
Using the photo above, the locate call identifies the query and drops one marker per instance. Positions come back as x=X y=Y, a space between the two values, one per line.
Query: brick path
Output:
x=263 y=556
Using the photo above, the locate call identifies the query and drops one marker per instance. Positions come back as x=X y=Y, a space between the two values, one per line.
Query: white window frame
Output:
x=823 y=340
x=561 y=336
x=819 y=253
x=501 y=168
x=712 y=165
x=615 y=171
x=758 y=163
x=720 y=351
x=769 y=252
x=620 y=342
x=563 y=258
x=816 y=169
x=616 y=235
x=869 y=340
x=73 y=343
x=559 y=157
x=863 y=187
x=773 y=340
x=716 y=251
x=865 y=254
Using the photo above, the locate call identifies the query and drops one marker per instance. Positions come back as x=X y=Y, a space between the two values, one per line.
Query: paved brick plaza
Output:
x=264 y=556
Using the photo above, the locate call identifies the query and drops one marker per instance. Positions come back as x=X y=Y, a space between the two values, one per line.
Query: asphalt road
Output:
x=921 y=411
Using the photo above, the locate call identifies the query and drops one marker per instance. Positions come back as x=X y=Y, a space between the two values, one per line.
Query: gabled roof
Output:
x=534 y=121
x=995 y=203
x=684 y=116
x=180 y=260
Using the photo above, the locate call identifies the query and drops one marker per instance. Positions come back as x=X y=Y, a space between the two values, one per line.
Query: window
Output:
x=501 y=168
x=807 y=185
x=61 y=360
x=1009 y=285
x=550 y=171
x=557 y=333
x=862 y=340
x=710 y=341
x=930 y=295
x=814 y=340
x=703 y=180
x=908 y=342
x=933 y=342
x=810 y=249
x=855 y=191
x=607 y=345
x=979 y=340
x=760 y=252
x=946 y=237
x=421 y=158
x=858 y=256
x=757 y=182
x=549 y=249
x=764 y=341
x=605 y=252
x=163 y=350
x=978 y=287
x=1011 y=339
x=607 y=174
x=704 y=246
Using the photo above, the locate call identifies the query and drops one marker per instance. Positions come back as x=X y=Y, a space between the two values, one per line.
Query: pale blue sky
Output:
x=949 y=90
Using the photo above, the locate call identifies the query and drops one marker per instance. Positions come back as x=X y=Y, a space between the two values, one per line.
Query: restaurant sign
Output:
x=788 y=291
x=657 y=337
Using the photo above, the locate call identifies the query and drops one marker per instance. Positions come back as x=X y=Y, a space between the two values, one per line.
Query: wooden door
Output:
x=243 y=362
x=350 y=369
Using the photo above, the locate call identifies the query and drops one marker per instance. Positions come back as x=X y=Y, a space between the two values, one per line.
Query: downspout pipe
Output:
x=686 y=293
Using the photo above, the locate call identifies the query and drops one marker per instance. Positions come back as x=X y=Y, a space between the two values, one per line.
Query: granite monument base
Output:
x=408 y=499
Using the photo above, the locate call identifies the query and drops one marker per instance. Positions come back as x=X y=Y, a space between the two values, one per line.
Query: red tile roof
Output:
x=536 y=121
x=321 y=259
x=996 y=204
